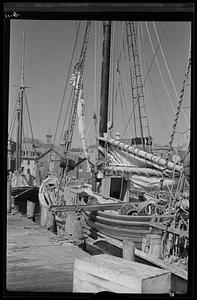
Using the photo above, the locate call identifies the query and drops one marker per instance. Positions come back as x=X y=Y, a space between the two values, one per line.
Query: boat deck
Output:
x=37 y=259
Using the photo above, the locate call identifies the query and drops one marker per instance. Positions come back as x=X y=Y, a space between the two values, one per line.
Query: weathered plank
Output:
x=90 y=207
x=128 y=249
x=95 y=284
x=108 y=272
x=35 y=261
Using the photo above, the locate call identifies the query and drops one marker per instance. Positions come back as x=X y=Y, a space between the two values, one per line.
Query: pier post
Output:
x=43 y=217
x=8 y=195
x=128 y=250
x=30 y=209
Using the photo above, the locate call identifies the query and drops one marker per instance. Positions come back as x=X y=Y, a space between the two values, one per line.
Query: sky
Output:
x=48 y=51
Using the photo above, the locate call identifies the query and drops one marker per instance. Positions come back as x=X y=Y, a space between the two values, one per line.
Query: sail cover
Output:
x=81 y=125
x=143 y=174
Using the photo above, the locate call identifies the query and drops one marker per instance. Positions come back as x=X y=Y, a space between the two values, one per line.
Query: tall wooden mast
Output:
x=105 y=78
x=20 y=111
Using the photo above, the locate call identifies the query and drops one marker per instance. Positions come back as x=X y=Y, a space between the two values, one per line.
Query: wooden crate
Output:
x=109 y=273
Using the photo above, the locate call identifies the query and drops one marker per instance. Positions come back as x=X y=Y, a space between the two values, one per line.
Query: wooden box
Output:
x=109 y=273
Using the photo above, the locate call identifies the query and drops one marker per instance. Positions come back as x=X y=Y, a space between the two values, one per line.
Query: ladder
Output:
x=78 y=87
x=137 y=88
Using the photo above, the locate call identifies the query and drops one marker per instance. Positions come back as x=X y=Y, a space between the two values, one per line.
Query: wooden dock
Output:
x=38 y=260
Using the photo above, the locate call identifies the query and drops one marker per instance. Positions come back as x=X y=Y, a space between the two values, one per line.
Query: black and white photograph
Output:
x=98 y=144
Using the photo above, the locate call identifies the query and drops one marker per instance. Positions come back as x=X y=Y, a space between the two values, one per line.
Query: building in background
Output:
x=46 y=156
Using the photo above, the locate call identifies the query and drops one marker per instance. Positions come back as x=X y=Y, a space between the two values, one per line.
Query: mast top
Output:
x=22 y=63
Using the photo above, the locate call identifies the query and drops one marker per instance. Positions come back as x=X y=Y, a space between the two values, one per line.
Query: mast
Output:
x=20 y=111
x=105 y=78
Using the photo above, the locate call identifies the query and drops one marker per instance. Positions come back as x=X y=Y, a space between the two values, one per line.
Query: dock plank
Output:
x=35 y=263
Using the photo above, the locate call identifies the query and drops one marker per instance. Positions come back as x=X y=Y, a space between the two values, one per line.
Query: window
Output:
x=28 y=171
x=28 y=161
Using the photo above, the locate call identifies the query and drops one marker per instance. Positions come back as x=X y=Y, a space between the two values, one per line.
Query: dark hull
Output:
x=24 y=193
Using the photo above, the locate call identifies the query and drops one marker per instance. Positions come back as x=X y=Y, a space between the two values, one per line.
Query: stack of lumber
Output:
x=109 y=273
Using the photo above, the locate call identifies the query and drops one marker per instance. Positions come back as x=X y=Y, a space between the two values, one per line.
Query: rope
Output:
x=13 y=119
x=143 y=99
x=13 y=127
x=25 y=191
x=89 y=127
x=119 y=84
x=123 y=95
x=63 y=127
x=37 y=124
x=168 y=68
x=68 y=76
x=163 y=124
x=30 y=125
x=130 y=117
x=183 y=132
x=179 y=107
x=159 y=68
x=24 y=139
x=126 y=70
x=157 y=48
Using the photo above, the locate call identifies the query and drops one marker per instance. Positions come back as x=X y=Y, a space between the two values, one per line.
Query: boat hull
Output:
x=119 y=227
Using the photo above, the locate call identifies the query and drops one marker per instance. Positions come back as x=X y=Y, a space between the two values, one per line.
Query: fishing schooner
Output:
x=134 y=194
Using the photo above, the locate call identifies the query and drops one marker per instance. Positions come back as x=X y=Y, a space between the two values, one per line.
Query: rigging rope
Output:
x=63 y=127
x=13 y=118
x=68 y=76
x=121 y=102
x=33 y=145
x=163 y=123
x=120 y=85
x=159 y=68
x=179 y=107
x=168 y=68
x=10 y=134
x=77 y=102
x=143 y=99
x=25 y=140
x=157 y=48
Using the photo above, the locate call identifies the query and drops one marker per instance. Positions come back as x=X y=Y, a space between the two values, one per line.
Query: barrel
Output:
x=74 y=225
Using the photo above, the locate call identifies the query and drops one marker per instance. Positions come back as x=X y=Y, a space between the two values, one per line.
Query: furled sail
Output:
x=143 y=173
x=81 y=125
x=139 y=155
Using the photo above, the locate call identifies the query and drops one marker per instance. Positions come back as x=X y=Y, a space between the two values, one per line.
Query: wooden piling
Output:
x=128 y=250
x=8 y=195
x=30 y=209
x=43 y=218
